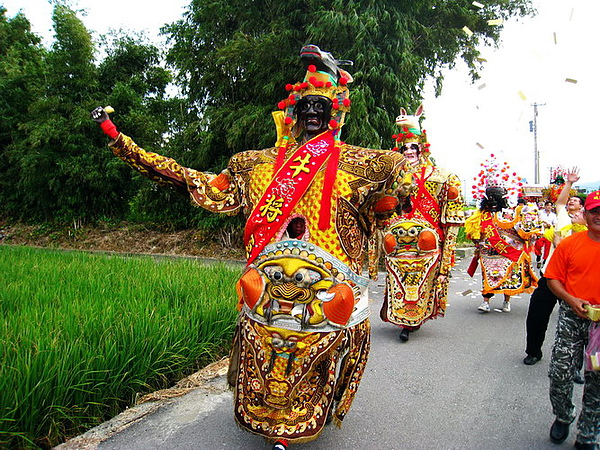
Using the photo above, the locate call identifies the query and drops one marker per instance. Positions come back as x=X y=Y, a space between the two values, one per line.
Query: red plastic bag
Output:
x=592 y=349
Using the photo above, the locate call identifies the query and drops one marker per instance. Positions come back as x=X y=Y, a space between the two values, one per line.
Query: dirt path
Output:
x=122 y=237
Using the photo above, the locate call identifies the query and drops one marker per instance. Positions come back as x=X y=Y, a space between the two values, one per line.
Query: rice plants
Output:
x=83 y=334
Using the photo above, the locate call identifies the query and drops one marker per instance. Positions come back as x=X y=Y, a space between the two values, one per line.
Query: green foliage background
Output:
x=230 y=61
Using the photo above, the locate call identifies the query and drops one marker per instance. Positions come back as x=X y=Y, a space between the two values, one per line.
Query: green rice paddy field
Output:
x=83 y=334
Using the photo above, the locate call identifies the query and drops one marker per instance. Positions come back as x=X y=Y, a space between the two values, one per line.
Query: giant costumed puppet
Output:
x=503 y=239
x=419 y=238
x=303 y=334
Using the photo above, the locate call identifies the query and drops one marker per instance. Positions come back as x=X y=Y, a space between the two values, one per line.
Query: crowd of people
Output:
x=315 y=207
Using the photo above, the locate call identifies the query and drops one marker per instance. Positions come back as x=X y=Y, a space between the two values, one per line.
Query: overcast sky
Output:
x=549 y=59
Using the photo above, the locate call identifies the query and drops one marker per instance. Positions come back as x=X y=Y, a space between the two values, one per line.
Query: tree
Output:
x=233 y=59
x=61 y=168
x=21 y=82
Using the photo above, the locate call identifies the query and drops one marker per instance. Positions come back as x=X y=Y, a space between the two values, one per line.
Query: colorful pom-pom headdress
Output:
x=557 y=181
x=323 y=77
x=496 y=174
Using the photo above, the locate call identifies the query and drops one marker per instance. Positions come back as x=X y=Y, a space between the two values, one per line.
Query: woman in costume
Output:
x=302 y=338
x=502 y=240
x=419 y=238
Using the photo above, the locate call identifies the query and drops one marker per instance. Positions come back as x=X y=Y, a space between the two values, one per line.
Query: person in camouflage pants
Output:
x=573 y=274
x=567 y=356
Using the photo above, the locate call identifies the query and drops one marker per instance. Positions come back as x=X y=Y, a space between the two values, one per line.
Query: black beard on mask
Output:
x=494 y=200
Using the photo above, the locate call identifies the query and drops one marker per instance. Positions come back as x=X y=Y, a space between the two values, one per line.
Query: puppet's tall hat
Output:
x=323 y=77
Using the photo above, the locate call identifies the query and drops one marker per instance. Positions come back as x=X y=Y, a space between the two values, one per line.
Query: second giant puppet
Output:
x=302 y=338
x=419 y=239
x=503 y=238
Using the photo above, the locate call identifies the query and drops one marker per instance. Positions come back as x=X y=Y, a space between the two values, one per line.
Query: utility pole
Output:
x=536 y=153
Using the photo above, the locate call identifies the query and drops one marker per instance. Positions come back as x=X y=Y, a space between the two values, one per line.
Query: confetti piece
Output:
x=481 y=59
x=479 y=145
x=467 y=292
x=479 y=5
x=571 y=80
x=466 y=30
x=523 y=96
x=555 y=40
x=481 y=86
x=495 y=22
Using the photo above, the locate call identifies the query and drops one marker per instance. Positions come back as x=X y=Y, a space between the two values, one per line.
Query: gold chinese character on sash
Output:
x=301 y=167
x=272 y=208
x=501 y=247
x=488 y=231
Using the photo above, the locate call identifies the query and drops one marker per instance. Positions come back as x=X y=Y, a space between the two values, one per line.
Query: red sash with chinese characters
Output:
x=287 y=187
x=502 y=247
x=426 y=203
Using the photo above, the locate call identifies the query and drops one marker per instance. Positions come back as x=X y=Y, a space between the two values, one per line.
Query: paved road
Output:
x=459 y=383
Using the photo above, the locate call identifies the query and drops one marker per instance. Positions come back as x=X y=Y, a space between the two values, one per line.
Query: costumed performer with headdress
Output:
x=419 y=237
x=302 y=339
x=502 y=242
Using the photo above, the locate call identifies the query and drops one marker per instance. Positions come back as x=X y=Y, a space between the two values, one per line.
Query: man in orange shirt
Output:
x=573 y=274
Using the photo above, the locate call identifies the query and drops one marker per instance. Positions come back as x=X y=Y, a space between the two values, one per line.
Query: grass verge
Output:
x=84 y=334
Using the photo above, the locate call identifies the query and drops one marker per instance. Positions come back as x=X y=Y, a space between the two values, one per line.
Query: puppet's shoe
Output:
x=280 y=445
x=484 y=307
x=404 y=334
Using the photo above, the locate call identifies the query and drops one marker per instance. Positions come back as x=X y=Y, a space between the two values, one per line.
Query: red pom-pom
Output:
x=335 y=106
x=410 y=135
x=287 y=120
x=312 y=80
x=395 y=149
x=312 y=68
x=289 y=87
x=333 y=123
x=292 y=102
x=343 y=81
x=298 y=87
x=346 y=102
x=281 y=105
x=318 y=83
x=328 y=84
x=394 y=136
x=291 y=97
x=304 y=85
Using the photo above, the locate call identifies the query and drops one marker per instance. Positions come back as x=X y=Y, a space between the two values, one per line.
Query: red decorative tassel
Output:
x=280 y=158
x=328 y=182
